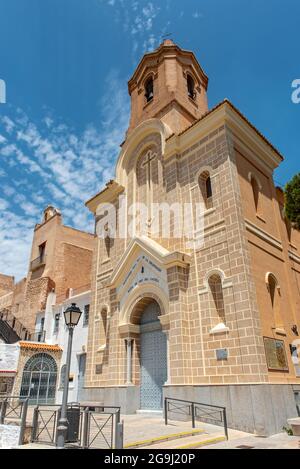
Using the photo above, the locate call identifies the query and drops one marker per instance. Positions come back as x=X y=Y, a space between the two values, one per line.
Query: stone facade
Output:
x=6 y=284
x=215 y=298
x=60 y=260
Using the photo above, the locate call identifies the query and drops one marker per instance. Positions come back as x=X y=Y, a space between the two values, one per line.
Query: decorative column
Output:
x=129 y=343
x=168 y=358
x=165 y=325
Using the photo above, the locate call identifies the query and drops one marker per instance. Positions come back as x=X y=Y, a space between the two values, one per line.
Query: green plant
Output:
x=288 y=430
x=292 y=201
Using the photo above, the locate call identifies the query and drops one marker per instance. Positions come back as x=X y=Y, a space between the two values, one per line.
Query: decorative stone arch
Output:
x=202 y=170
x=274 y=291
x=256 y=190
x=142 y=294
x=200 y=181
x=190 y=71
x=218 y=325
x=270 y=275
x=148 y=127
x=142 y=87
x=226 y=281
x=150 y=74
x=251 y=176
x=129 y=326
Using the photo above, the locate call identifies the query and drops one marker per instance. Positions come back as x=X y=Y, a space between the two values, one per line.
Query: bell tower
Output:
x=170 y=85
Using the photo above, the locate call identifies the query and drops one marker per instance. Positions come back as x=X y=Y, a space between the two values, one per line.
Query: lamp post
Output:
x=72 y=315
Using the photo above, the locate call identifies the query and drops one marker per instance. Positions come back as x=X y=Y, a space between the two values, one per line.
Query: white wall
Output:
x=9 y=357
x=61 y=338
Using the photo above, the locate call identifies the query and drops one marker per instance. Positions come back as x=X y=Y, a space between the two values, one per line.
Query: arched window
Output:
x=104 y=320
x=274 y=293
x=191 y=87
x=206 y=189
x=149 y=89
x=217 y=309
x=103 y=327
x=39 y=379
x=256 y=190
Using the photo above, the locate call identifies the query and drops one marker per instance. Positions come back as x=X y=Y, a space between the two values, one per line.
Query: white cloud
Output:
x=140 y=19
x=50 y=164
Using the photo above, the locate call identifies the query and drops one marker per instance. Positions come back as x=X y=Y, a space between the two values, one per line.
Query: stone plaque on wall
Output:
x=275 y=354
x=222 y=354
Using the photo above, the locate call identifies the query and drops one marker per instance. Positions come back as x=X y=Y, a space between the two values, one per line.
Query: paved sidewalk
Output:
x=279 y=441
x=145 y=426
x=140 y=427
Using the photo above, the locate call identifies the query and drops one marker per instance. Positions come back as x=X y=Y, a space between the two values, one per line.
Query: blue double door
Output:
x=153 y=359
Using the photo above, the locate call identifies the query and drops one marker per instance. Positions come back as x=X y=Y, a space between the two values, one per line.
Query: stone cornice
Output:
x=107 y=195
x=241 y=128
x=254 y=229
x=294 y=257
x=152 y=248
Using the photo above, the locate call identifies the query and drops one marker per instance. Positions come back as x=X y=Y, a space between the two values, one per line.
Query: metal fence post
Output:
x=193 y=415
x=119 y=435
x=35 y=421
x=166 y=411
x=3 y=411
x=23 y=422
x=85 y=430
x=225 y=423
x=117 y=415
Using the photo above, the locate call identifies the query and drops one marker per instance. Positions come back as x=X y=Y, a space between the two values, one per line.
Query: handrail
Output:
x=38 y=262
x=46 y=417
x=193 y=406
x=14 y=323
x=21 y=331
x=193 y=402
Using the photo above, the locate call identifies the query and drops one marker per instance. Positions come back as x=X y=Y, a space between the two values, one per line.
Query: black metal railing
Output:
x=12 y=330
x=14 y=410
x=89 y=426
x=209 y=413
x=38 y=262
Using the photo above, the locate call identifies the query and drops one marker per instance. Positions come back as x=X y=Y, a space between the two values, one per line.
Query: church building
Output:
x=212 y=314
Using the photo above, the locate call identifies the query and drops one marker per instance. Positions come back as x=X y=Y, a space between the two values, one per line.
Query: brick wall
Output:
x=6 y=284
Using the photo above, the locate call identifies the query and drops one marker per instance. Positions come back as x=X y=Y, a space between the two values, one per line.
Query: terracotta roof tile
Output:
x=40 y=346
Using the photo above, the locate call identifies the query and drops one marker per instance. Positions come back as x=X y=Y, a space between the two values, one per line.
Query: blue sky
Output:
x=66 y=64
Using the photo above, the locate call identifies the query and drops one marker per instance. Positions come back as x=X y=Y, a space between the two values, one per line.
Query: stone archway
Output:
x=146 y=338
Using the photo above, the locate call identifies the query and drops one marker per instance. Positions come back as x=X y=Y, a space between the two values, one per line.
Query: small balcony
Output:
x=38 y=262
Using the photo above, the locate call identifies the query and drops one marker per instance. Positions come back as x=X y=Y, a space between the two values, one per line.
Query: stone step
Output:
x=189 y=442
x=163 y=438
x=149 y=413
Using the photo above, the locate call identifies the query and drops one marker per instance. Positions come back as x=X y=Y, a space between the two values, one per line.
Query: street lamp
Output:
x=72 y=316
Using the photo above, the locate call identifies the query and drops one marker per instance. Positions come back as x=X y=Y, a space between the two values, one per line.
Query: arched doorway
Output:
x=39 y=379
x=153 y=358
